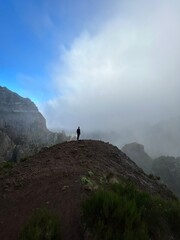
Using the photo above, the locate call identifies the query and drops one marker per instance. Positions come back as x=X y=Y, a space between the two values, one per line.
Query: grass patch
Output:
x=42 y=225
x=88 y=183
x=6 y=166
x=123 y=212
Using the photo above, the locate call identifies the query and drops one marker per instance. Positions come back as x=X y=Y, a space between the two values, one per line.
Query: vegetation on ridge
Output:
x=43 y=225
x=118 y=212
x=123 y=212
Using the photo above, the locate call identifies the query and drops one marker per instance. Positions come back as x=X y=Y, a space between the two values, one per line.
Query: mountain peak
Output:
x=12 y=102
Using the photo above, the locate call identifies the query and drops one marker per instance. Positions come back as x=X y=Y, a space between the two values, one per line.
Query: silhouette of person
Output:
x=78 y=133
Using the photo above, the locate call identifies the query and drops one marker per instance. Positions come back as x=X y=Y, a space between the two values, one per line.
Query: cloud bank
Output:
x=126 y=72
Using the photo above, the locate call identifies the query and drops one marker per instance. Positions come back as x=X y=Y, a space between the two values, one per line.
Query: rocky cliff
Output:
x=19 y=116
x=136 y=152
x=23 y=129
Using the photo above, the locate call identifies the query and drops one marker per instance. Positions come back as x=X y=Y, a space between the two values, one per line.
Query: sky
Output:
x=103 y=64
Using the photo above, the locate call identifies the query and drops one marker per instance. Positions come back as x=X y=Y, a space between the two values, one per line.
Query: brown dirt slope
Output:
x=53 y=179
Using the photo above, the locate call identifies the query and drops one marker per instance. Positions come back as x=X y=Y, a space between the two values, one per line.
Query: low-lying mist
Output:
x=161 y=139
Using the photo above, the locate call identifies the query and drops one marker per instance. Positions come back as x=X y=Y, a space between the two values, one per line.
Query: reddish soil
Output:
x=52 y=179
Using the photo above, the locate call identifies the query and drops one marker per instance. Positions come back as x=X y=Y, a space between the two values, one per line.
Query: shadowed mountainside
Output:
x=165 y=167
x=168 y=168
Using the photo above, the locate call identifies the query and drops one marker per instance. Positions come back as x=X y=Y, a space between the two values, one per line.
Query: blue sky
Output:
x=31 y=33
x=98 y=64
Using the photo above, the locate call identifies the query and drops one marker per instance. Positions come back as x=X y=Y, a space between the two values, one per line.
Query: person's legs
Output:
x=78 y=136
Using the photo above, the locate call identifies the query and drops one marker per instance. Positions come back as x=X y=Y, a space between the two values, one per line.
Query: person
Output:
x=78 y=133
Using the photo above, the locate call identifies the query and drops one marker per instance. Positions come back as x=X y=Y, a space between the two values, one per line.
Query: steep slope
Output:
x=23 y=127
x=168 y=168
x=53 y=178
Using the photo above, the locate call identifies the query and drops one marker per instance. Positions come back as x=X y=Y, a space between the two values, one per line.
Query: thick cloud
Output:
x=126 y=72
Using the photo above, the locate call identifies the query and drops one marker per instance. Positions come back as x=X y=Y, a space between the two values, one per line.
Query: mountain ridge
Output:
x=53 y=178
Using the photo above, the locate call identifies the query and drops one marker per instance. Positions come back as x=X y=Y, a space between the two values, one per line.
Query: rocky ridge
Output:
x=53 y=179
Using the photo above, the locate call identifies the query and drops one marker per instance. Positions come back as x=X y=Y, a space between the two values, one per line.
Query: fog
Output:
x=121 y=76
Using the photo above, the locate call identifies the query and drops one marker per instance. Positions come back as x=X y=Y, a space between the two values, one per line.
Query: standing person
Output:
x=78 y=133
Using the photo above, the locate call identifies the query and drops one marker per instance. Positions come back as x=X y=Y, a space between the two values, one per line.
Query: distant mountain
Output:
x=165 y=167
x=23 y=129
x=136 y=152
x=161 y=139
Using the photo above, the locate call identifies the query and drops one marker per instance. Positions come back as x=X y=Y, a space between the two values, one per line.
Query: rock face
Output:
x=168 y=168
x=19 y=116
x=136 y=152
x=23 y=128
x=6 y=147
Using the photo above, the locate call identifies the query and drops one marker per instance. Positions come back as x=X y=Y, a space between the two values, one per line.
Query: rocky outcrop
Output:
x=23 y=128
x=168 y=168
x=6 y=147
x=136 y=152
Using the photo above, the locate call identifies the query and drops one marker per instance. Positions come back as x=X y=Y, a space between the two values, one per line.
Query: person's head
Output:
x=78 y=127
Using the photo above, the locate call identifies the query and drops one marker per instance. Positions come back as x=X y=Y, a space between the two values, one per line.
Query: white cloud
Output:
x=127 y=72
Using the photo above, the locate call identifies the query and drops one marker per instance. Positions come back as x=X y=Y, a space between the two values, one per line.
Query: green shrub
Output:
x=123 y=212
x=88 y=183
x=108 y=216
x=85 y=180
x=43 y=225
x=172 y=213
